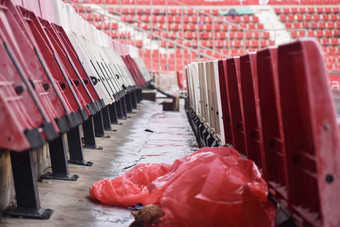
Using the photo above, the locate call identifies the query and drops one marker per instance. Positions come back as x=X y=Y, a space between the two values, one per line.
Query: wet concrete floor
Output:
x=149 y=135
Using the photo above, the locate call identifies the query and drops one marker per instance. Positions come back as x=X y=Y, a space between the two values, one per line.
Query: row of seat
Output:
x=327 y=41
x=331 y=50
x=58 y=72
x=192 y=19
x=315 y=33
x=333 y=59
x=332 y=63
x=319 y=22
x=309 y=17
x=202 y=27
x=114 y=34
x=333 y=67
x=160 y=62
x=312 y=25
x=217 y=35
x=106 y=25
x=137 y=43
x=160 y=11
x=224 y=43
x=296 y=10
x=275 y=107
x=231 y=35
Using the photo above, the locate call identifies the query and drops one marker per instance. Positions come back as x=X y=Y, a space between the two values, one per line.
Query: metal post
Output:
x=99 y=125
x=106 y=118
x=113 y=113
x=134 y=100
x=26 y=189
x=75 y=148
x=128 y=103
x=89 y=134
x=59 y=161
x=119 y=109
x=124 y=107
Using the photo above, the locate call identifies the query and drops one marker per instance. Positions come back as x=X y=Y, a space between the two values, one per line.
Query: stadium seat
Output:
x=252 y=115
x=235 y=103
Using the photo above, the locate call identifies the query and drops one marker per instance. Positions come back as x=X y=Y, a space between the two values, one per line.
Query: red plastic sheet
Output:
x=129 y=188
x=212 y=187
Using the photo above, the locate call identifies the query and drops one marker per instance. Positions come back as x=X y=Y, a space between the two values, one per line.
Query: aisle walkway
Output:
x=147 y=136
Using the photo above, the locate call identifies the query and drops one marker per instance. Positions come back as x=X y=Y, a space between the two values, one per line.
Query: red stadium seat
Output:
x=291 y=17
x=311 y=133
x=283 y=18
x=319 y=33
x=305 y=25
x=271 y=117
x=286 y=10
x=252 y=112
x=224 y=101
x=320 y=10
x=294 y=34
x=263 y=43
x=302 y=10
x=328 y=33
x=334 y=41
x=310 y=10
x=300 y=17
x=301 y=33
x=296 y=25
x=254 y=43
x=288 y=25
x=308 y=17
x=322 y=25
x=235 y=103
x=259 y=26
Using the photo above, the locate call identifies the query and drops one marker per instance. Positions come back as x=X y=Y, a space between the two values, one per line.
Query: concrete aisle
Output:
x=170 y=137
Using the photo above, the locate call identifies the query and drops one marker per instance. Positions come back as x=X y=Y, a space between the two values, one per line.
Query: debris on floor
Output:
x=148 y=215
x=211 y=187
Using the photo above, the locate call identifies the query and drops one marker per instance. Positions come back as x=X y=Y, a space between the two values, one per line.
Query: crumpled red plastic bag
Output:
x=129 y=188
x=212 y=187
